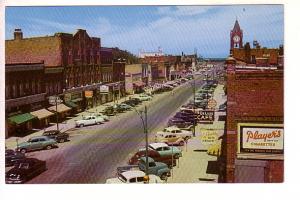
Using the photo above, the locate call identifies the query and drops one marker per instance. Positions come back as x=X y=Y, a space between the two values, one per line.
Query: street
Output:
x=94 y=152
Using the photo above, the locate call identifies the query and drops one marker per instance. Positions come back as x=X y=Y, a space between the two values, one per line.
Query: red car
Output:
x=153 y=154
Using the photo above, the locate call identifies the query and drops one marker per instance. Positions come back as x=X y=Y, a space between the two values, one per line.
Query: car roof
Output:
x=157 y=145
x=172 y=128
x=149 y=159
x=37 y=137
x=133 y=173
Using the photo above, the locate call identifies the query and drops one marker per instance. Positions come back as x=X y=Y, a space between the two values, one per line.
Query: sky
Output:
x=175 y=29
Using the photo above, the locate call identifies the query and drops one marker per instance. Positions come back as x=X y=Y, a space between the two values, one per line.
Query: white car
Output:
x=144 y=97
x=176 y=131
x=133 y=176
x=89 y=120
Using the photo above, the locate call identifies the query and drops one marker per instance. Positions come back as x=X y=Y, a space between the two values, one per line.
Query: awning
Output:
x=22 y=118
x=139 y=83
x=60 y=108
x=41 y=114
x=71 y=104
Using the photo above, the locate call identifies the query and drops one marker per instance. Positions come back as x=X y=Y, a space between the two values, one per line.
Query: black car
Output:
x=180 y=123
x=109 y=110
x=136 y=101
x=185 y=117
x=24 y=170
x=11 y=157
x=57 y=135
x=130 y=103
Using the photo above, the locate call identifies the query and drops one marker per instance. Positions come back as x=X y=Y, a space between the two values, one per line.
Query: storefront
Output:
x=43 y=118
x=62 y=110
x=75 y=101
x=20 y=124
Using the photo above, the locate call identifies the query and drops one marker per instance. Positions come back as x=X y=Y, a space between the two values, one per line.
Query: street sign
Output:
x=53 y=100
x=104 y=89
x=206 y=116
x=211 y=103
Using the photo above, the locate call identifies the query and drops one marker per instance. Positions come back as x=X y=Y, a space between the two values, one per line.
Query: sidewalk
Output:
x=195 y=165
x=11 y=142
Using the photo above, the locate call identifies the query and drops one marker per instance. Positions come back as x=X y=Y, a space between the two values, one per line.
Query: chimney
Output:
x=18 y=35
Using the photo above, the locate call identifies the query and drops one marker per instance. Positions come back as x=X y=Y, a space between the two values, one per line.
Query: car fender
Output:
x=162 y=171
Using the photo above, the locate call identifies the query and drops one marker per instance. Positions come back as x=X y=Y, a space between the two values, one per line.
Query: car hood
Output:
x=113 y=180
x=161 y=165
x=16 y=171
x=23 y=144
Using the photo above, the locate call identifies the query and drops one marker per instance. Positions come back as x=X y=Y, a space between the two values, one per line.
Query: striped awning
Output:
x=42 y=113
x=60 y=108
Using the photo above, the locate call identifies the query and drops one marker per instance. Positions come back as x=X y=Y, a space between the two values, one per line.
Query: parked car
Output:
x=137 y=101
x=156 y=168
x=133 y=176
x=105 y=117
x=176 y=131
x=153 y=154
x=11 y=157
x=118 y=108
x=180 y=123
x=144 y=97
x=89 y=120
x=169 y=139
x=24 y=170
x=37 y=143
x=57 y=135
x=109 y=111
x=130 y=103
x=187 y=117
x=164 y=150
x=125 y=106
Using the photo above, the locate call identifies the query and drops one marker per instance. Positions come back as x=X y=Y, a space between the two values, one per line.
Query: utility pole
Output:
x=56 y=99
x=146 y=134
x=194 y=121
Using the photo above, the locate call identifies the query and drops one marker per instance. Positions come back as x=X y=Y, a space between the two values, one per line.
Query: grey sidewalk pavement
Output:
x=195 y=165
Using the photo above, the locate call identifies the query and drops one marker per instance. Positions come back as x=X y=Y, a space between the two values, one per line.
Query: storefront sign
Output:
x=211 y=103
x=104 y=89
x=206 y=116
x=260 y=138
x=53 y=100
x=208 y=137
x=88 y=94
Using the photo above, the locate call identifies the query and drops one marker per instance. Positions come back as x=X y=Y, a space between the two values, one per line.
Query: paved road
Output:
x=94 y=152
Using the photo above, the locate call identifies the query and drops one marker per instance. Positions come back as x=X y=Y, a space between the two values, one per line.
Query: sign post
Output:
x=55 y=100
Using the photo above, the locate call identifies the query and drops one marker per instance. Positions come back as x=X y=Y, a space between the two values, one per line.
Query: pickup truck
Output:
x=133 y=176
x=156 y=168
x=89 y=120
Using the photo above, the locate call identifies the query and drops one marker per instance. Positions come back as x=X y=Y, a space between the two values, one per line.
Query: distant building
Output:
x=143 y=54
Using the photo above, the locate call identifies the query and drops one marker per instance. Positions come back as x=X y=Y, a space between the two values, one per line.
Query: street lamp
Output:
x=145 y=126
x=194 y=97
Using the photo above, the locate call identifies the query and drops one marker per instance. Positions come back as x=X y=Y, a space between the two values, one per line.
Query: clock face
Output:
x=236 y=38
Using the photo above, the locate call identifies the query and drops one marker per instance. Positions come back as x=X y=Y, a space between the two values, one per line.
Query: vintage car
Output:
x=156 y=168
x=89 y=120
x=144 y=97
x=11 y=157
x=153 y=154
x=133 y=176
x=24 y=170
x=176 y=131
x=57 y=135
x=180 y=123
x=165 y=150
x=37 y=143
x=169 y=139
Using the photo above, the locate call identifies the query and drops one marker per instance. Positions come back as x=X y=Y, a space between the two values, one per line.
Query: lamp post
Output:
x=194 y=97
x=145 y=126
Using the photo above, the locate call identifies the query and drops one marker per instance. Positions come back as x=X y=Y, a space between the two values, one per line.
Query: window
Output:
x=132 y=180
x=34 y=140
x=152 y=164
x=140 y=179
x=42 y=139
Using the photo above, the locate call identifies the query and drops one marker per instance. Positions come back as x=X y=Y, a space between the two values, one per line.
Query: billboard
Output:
x=260 y=138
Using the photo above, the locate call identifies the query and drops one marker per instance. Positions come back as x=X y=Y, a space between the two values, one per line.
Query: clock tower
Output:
x=236 y=36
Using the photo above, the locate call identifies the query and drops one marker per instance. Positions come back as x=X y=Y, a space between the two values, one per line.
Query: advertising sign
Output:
x=260 y=138
x=206 y=116
x=53 y=100
x=88 y=94
x=104 y=89
x=211 y=103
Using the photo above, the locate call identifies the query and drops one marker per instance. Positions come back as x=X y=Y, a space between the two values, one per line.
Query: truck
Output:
x=156 y=168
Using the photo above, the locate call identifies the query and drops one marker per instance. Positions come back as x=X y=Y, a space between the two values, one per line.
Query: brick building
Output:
x=252 y=148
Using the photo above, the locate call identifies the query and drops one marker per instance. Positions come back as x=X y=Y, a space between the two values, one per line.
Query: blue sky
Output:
x=173 y=28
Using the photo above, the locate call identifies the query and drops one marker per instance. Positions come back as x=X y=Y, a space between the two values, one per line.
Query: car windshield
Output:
x=86 y=117
x=23 y=166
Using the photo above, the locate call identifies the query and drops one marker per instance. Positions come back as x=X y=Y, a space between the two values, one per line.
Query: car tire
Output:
x=176 y=156
x=181 y=143
x=61 y=140
x=164 y=176
x=81 y=125
x=48 y=147
x=23 y=151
